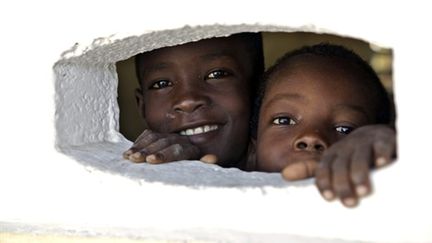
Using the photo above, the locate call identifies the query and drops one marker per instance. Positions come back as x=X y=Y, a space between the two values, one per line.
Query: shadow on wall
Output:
x=275 y=45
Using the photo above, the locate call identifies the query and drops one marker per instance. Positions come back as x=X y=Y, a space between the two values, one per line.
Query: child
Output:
x=197 y=100
x=312 y=98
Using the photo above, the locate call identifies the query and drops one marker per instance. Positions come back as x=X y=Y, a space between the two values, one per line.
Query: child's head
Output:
x=313 y=97
x=203 y=90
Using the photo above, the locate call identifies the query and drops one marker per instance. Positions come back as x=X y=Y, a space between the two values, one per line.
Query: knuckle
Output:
x=177 y=149
x=322 y=182
x=151 y=137
x=163 y=142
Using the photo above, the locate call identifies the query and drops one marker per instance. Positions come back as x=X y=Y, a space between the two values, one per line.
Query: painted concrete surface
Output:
x=62 y=171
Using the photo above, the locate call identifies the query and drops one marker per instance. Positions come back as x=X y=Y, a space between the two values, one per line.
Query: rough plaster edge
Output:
x=107 y=158
x=111 y=49
x=87 y=118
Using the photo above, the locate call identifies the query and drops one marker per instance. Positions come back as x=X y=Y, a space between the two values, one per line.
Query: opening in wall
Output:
x=92 y=122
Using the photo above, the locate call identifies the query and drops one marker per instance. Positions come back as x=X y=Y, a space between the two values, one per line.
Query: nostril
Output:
x=301 y=145
x=311 y=144
x=319 y=147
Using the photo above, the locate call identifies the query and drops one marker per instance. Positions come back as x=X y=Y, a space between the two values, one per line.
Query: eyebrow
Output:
x=216 y=55
x=351 y=107
x=156 y=67
x=285 y=96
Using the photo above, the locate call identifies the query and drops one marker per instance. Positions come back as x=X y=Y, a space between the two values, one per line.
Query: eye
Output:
x=160 y=84
x=344 y=129
x=217 y=74
x=284 y=120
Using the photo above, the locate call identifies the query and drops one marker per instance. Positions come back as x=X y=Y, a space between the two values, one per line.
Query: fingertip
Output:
x=381 y=161
x=328 y=195
x=137 y=157
x=154 y=159
x=299 y=170
x=350 y=202
x=127 y=153
x=362 y=190
x=291 y=173
x=209 y=159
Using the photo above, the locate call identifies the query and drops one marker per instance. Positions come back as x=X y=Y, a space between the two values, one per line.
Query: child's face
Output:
x=200 y=90
x=309 y=105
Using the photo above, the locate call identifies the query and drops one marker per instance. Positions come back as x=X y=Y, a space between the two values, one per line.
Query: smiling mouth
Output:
x=199 y=130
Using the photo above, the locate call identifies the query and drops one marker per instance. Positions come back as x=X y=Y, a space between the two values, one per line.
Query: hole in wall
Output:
x=96 y=111
x=275 y=44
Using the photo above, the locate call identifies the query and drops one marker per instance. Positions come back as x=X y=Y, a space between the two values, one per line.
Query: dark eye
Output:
x=161 y=84
x=284 y=120
x=217 y=74
x=344 y=129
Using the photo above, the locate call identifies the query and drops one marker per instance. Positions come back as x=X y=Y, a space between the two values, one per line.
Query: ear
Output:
x=140 y=102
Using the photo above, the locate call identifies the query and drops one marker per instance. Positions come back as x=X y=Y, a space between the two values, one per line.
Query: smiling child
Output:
x=197 y=99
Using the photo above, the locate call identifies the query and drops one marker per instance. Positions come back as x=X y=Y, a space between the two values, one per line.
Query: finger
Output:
x=209 y=159
x=174 y=141
x=300 y=170
x=137 y=157
x=127 y=153
x=143 y=134
x=384 y=151
x=144 y=139
x=323 y=177
x=360 y=170
x=341 y=182
x=173 y=153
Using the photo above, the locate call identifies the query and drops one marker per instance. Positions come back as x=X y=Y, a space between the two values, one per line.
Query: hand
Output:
x=343 y=171
x=155 y=148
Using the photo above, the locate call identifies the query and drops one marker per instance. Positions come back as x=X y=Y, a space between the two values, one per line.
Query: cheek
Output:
x=272 y=152
x=234 y=102
x=155 y=113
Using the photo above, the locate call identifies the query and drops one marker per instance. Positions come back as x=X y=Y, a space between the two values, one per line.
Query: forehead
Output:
x=318 y=71
x=327 y=80
x=214 y=48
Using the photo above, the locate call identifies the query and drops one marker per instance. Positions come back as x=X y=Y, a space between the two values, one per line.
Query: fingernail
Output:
x=362 y=191
x=137 y=157
x=150 y=158
x=381 y=161
x=349 y=202
x=328 y=195
x=154 y=159
x=209 y=159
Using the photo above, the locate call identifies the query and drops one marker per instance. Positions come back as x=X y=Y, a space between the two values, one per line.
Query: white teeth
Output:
x=206 y=128
x=199 y=130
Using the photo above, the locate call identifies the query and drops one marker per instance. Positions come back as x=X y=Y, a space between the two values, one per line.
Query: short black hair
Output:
x=254 y=47
x=384 y=106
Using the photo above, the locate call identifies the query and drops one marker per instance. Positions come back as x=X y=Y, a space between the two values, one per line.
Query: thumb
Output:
x=209 y=159
x=300 y=170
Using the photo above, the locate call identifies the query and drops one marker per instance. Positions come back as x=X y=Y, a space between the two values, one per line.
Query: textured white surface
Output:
x=58 y=89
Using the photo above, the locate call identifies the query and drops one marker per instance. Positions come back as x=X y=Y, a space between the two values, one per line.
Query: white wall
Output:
x=58 y=92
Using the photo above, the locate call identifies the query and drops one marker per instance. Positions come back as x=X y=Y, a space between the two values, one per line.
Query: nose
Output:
x=189 y=101
x=310 y=142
